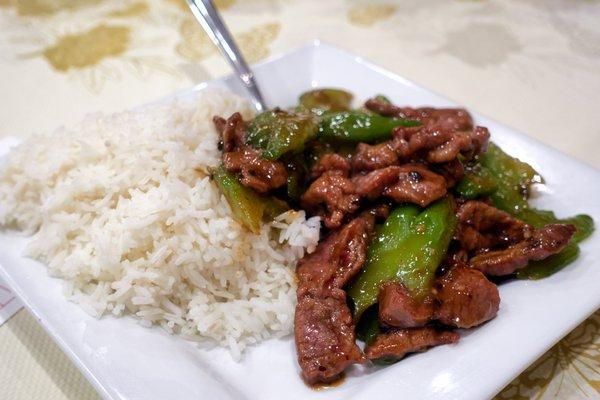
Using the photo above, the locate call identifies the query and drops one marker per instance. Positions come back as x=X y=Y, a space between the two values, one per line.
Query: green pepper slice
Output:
x=538 y=218
x=541 y=269
x=321 y=101
x=368 y=327
x=278 y=132
x=513 y=178
x=297 y=172
x=248 y=208
x=408 y=248
x=355 y=127
x=475 y=184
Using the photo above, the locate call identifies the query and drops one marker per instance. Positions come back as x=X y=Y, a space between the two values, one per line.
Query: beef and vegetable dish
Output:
x=422 y=218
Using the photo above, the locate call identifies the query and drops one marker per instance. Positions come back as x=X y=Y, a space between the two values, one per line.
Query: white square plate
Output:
x=126 y=361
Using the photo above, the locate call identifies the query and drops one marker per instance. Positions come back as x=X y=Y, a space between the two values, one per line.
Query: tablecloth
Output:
x=532 y=64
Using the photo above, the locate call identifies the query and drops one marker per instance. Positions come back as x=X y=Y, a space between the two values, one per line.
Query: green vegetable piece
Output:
x=368 y=327
x=408 y=248
x=475 y=184
x=320 y=101
x=297 y=172
x=541 y=269
x=394 y=230
x=512 y=179
x=538 y=218
x=355 y=127
x=294 y=186
x=367 y=330
x=280 y=132
x=248 y=208
x=273 y=208
x=511 y=176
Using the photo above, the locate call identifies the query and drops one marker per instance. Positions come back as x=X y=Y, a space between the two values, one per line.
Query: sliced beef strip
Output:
x=449 y=118
x=435 y=145
x=372 y=185
x=338 y=257
x=484 y=227
x=330 y=162
x=438 y=144
x=256 y=172
x=220 y=124
x=332 y=195
x=466 y=298
x=452 y=171
x=408 y=183
x=371 y=157
x=480 y=137
x=231 y=131
x=543 y=242
x=398 y=343
x=398 y=309
x=416 y=184
x=325 y=340
x=323 y=326
x=462 y=298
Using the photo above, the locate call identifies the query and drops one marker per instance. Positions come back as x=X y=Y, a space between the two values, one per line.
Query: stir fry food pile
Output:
x=422 y=214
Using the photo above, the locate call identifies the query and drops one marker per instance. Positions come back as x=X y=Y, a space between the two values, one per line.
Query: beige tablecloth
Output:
x=532 y=64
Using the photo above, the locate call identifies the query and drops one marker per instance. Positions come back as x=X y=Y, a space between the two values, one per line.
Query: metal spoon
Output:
x=206 y=13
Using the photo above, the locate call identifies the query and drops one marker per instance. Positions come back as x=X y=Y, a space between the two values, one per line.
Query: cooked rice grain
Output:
x=122 y=208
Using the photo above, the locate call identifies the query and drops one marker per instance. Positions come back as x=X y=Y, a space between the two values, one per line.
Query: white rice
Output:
x=123 y=210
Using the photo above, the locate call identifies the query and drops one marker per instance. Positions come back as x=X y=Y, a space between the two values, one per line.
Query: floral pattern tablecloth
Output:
x=533 y=64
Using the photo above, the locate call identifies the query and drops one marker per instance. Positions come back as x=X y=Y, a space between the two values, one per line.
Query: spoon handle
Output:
x=206 y=13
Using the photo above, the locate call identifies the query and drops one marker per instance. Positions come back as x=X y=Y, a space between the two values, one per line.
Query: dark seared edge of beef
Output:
x=323 y=326
x=396 y=344
x=543 y=242
x=255 y=172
